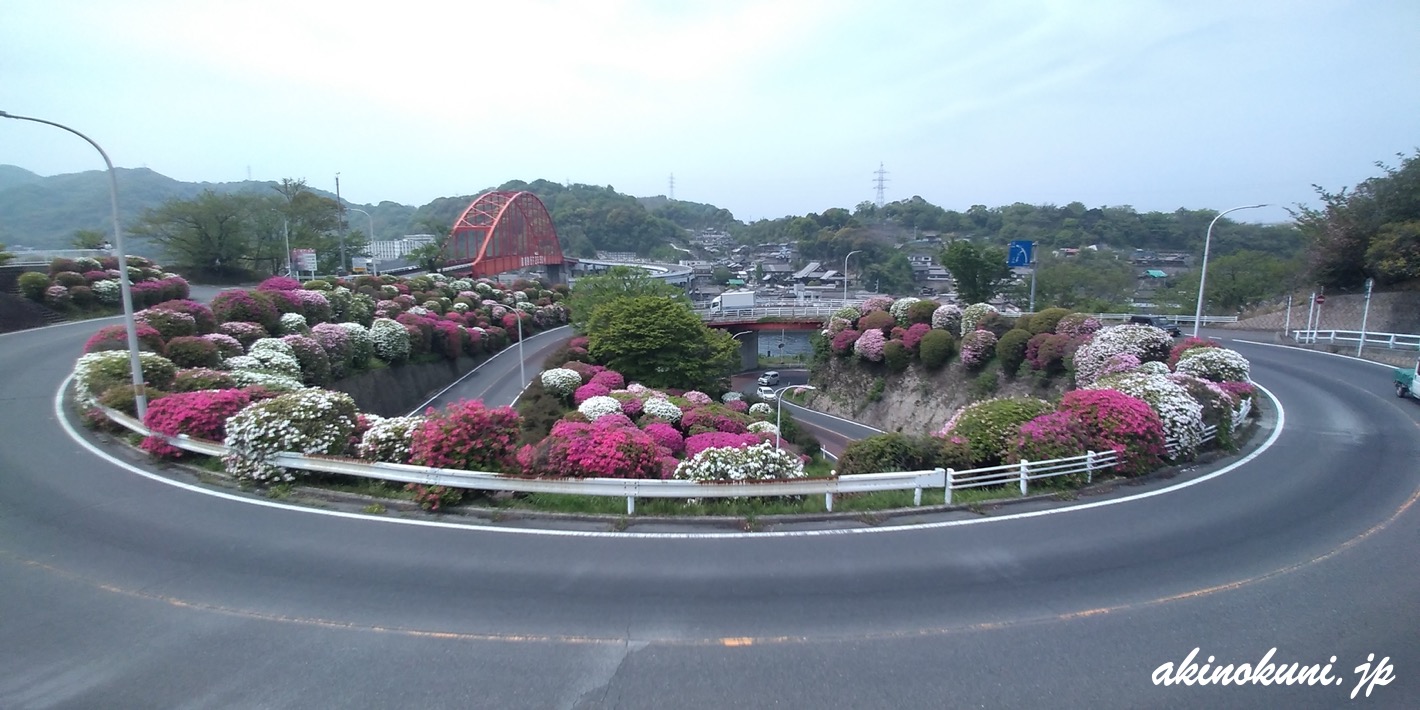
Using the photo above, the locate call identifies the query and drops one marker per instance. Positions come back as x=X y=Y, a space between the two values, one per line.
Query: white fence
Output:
x=1393 y=341
x=947 y=479
x=824 y=309
x=45 y=256
x=1175 y=318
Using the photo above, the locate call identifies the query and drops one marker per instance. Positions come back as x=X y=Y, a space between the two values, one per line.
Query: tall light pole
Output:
x=286 y=235
x=522 y=363
x=341 y=204
x=135 y=364
x=779 y=409
x=1203 y=272
x=371 y=220
x=845 y=274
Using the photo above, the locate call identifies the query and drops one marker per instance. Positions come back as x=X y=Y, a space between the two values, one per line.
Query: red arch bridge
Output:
x=504 y=231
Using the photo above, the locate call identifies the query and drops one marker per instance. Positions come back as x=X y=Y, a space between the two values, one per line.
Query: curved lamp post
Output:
x=371 y=220
x=135 y=364
x=1203 y=273
x=845 y=274
x=779 y=408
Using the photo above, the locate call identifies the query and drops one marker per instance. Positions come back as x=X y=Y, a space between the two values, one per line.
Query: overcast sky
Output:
x=764 y=107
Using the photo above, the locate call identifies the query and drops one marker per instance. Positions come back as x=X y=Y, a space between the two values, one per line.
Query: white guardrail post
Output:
x=1089 y=467
x=828 y=500
x=950 y=482
x=1025 y=475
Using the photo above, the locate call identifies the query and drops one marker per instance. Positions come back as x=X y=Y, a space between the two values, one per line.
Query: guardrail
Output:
x=45 y=256
x=1175 y=318
x=947 y=479
x=821 y=310
x=1392 y=341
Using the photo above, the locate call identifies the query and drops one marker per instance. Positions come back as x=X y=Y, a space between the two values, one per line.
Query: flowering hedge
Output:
x=1077 y=325
x=1187 y=344
x=170 y=324
x=466 y=435
x=1214 y=364
x=95 y=373
x=292 y=323
x=596 y=406
x=696 y=443
x=115 y=337
x=1182 y=416
x=1143 y=341
x=1115 y=420
x=202 y=415
x=311 y=357
x=193 y=351
x=390 y=340
x=843 y=342
x=388 y=439
x=662 y=408
x=989 y=425
x=560 y=381
x=666 y=436
x=874 y=303
x=901 y=307
x=595 y=450
x=245 y=306
x=1053 y=435
x=759 y=462
x=947 y=317
x=202 y=378
x=310 y=421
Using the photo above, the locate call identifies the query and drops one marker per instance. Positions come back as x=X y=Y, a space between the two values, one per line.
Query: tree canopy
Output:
x=592 y=293
x=1372 y=231
x=979 y=271
x=660 y=342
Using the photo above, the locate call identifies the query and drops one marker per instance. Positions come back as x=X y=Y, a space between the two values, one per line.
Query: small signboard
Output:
x=1020 y=254
x=304 y=259
x=1320 y=299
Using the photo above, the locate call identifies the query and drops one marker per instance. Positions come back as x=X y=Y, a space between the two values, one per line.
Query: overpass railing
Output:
x=1393 y=341
x=45 y=256
x=820 y=309
x=948 y=480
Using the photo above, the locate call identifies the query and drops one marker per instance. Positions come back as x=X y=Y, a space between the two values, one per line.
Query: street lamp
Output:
x=135 y=364
x=522 y=363
x=845 y=274
x=372 y=230
x=1203 y=272
x=779 y=409
x=286 y=235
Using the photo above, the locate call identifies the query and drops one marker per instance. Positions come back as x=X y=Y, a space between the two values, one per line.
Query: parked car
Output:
x=766 y=393
x=769 y=378
x=1158 y=322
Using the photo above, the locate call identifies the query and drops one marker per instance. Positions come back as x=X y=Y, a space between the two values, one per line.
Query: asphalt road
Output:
x=122 y=591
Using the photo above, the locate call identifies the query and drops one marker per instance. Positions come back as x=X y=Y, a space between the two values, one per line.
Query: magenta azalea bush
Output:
x=666 y=436
x=1145 y=342
x=466 y=435
x=593 y=450
x=718 y=439
x=200 y=415
x=843 y=342
x=1117 y=421
x=1077 y=325
x=755 y=462
x=588 y=391
x=1053 y=435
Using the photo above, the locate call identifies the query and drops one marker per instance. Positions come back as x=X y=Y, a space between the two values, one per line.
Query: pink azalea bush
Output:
x=1119 y=362
x=202 y=316
x=977 y=348
x=200 y=415
x=115 y=337
x=610 y=379
x=717 y=439
x=913 y=337
x=466 y=435
x=588 y=391
x=593 y=450
x=843 y=342
x=1077 y=325
x=869 y=345
x=666 y=436
x=1053 y=435
x=1187 y=344
x=227 y=346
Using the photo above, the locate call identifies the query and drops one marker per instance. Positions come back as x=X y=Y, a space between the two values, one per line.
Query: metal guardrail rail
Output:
x=1391 y=341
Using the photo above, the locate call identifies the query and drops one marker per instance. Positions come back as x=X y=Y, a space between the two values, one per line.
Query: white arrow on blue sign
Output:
x=1021 y=253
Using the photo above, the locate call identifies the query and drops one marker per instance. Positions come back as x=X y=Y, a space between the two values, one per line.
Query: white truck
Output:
x=1407 y=382
x=732 y=301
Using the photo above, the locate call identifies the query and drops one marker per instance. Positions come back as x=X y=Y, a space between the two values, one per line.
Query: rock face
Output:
x=1394 y=312
x=914 y=401
x=393 y=391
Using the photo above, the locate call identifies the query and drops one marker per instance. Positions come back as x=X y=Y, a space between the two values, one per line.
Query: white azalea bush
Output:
x=107 y=291
x=390 y=340
x=1181 y=413
x=1153 y=367
x=387 y=440
x=730 y=396
x=360 y=342
x=947 y=317
x=663 y=408
x=973 y=314
x=899 y=309
x=309 y=421
x=293 y=323
x=1214 y=365
x=761 y=462
x=763 y=428
x=595 y=408
x=273 y=356
x=760 y=409
x=560 y=381
x=1145 y=342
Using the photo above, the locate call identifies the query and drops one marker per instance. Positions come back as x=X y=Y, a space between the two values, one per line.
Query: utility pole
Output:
x=339 y=203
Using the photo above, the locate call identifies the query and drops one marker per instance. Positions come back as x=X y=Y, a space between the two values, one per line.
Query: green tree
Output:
x=979 y=271
x=618 y=283
x=210 y=233
x=88 y=239
x=428 y=256
x=660 y=342
x=721 y=275
x=1235 y=282
x=1364 y=232
x=1089 y=281
x=5 y=256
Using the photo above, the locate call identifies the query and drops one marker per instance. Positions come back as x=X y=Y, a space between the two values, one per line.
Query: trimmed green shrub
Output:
x=32 y=285
x=896 y=355
x=876 y=320
x=202 y=378
x=888 y=452
x=990 y=425
x=95 y=373
x=936 y=348
x=1011 y=349
x=193 y=351
x=1046 y=320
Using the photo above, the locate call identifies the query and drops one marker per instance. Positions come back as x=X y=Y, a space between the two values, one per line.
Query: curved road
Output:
x=121 y=591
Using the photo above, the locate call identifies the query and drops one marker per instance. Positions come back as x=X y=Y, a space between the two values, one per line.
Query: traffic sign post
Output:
x=1021 y=254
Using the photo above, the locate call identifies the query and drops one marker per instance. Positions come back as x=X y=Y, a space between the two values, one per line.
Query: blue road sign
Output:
x=1021 y=253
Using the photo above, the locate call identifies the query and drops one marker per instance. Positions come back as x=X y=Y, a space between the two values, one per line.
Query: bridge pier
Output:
x=749 y=350
x=555 y=275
